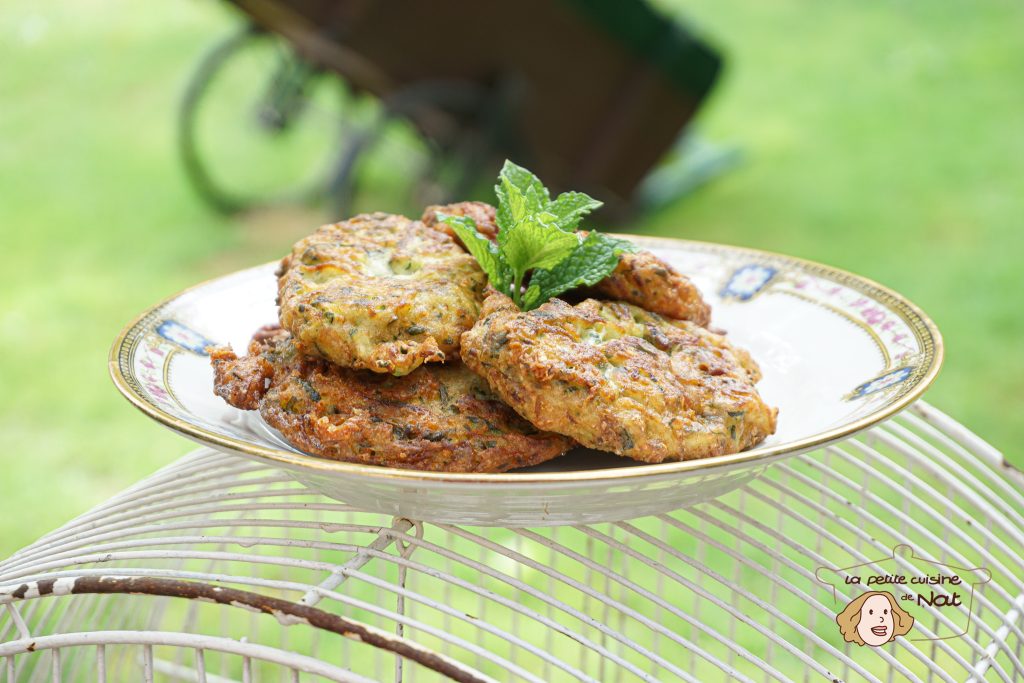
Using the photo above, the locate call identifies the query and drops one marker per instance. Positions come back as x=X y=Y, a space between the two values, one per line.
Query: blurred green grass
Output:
x=884 y=139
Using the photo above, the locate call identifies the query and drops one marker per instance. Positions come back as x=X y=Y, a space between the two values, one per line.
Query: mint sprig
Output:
x=538 y=254
x=592 y=261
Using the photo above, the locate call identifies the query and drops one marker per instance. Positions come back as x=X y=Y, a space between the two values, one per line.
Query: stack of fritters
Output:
x=392 y=351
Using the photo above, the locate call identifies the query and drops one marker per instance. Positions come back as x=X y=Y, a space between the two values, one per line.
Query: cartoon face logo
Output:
x=874 y=619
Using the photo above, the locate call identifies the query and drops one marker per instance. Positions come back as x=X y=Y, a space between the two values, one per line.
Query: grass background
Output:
x=885 y=139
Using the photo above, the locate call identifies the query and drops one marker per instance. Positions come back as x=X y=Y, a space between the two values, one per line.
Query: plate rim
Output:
x=760 y=454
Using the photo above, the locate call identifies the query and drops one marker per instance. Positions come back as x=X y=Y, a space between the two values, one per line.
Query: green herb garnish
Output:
x=538 y=255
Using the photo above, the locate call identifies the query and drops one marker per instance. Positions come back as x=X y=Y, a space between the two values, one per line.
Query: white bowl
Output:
x=839 y=353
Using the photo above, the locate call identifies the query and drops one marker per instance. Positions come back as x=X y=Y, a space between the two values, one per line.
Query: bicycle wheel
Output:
x=259 y=125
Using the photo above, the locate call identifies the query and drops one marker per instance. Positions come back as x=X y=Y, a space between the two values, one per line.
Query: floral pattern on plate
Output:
x=183 y=336
x=747 y=281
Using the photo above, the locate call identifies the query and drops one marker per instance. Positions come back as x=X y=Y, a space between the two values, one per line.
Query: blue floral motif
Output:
x=188 y=339
x=747 y=281
x=881 y=382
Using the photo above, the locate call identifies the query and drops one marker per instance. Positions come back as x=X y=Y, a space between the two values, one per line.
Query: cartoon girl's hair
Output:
x=849 y=618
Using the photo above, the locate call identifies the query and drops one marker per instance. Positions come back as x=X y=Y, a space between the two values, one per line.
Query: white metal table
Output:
x=219 y=569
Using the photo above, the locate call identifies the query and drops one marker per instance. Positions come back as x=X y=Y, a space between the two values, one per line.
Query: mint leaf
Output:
x=517 y=203
x=524 y=180
x=591 y=261
x=528 y=187
x=570 y=207
x=482 y=249
x=533 y=244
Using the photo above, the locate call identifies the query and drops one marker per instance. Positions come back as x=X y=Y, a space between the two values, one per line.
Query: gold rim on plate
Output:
x=925 y=331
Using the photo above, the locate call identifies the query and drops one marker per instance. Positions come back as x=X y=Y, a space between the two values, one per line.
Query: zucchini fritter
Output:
x=641 y=278
x=440 y=417
x=379 y=292
x=618 y=378
x=483 y=214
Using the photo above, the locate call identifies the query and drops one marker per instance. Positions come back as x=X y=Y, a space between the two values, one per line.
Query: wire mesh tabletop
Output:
x=218 y=568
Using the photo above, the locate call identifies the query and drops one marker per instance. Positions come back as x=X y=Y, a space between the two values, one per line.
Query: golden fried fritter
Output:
x=641 y=278
x=484 y=215
x=379 y=292
x=440 y=417
x=617 y=378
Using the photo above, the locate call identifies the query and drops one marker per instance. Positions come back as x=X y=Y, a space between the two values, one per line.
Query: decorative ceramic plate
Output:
x=839 y=353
